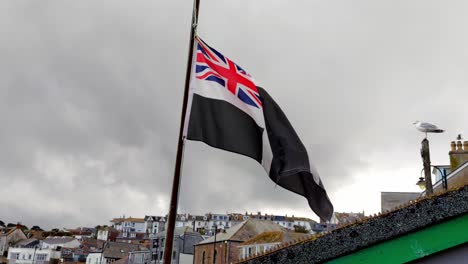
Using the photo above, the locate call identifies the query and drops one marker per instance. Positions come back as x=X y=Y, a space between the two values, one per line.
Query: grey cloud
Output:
x=90 y=96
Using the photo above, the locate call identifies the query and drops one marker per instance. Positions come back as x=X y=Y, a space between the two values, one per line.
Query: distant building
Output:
x=19 y=255
x=60 y=242
x=74 y=254
x=154 y=224
x=33 y=251
x=391 y=200
x=217 y=222
x=457 y=174
x=198 y=223
x=322 y=227
x=224 y=246
x=129 y=224
x=81 y=233
x=115 y=251
x=9 y=236
x=107 y=233
x=131 y=237
x=184 y=240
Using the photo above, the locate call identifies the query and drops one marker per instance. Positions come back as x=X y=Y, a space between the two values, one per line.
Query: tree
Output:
x=2 y=223
x=11 y=225
x=56 y=230
x=36 y=228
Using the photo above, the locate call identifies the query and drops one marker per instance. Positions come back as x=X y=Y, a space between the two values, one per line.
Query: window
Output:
x=203 y=258
x=41 y=257
x=14 y=255
x=173 y=254
x=29 y=257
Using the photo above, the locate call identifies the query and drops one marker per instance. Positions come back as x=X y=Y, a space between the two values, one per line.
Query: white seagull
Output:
x=427 y=127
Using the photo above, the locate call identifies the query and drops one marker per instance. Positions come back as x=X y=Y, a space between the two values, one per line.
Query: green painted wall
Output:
x=413 y=245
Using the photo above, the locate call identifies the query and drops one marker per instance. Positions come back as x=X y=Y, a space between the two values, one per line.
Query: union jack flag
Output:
x=210 y=65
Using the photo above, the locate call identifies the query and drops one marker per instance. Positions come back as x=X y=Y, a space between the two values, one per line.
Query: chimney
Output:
x=458 y=153
x=453 y=146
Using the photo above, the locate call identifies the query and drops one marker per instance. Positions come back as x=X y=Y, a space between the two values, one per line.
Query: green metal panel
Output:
x=413 y=245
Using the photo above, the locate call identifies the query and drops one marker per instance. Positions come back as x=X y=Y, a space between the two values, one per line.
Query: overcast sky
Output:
x=91 y=92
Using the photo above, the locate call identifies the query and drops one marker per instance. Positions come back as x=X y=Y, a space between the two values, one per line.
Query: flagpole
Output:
x=180 y=145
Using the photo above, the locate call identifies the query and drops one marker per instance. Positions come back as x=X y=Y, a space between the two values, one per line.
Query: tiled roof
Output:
x=117 y=250
x=275 y=237
x=265 y=237
x=245 y=231
x=58 y=240
x=177 y=231
x=413 y=216
x=26 y=242
x=121 y=261
x=130 y=219
x=35 y=234
x=92 y=243
x=6 y=231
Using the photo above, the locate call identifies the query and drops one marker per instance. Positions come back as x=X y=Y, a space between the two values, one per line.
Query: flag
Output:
x=228 y=110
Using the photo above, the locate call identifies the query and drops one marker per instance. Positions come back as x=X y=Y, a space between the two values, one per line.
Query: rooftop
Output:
x=58 y=240
x=129 y=219
x=411 y=217
x=244 y=231
x=119 y=250
x=274 y=237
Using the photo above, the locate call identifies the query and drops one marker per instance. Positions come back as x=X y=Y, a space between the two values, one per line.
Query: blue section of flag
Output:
x=245 y=98
x=200 y=68
x=215 y=79
x=202 y=50
x=221 y=56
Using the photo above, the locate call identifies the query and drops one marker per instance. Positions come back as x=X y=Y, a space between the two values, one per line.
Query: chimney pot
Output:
x=465 y=145
x=453 y=146
x=459 y=145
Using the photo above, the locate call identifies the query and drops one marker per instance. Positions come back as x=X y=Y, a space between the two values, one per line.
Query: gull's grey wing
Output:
x=428 y=126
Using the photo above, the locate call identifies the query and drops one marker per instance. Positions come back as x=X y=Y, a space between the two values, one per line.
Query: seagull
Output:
x=427 y=127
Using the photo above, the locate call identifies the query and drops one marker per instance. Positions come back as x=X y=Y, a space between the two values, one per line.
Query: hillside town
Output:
x=141 y=240
x=254 y=237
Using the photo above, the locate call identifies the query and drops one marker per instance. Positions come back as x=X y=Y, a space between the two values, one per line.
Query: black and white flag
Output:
x=229 y=111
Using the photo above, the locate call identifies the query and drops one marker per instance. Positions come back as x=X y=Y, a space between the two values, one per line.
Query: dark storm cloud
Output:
x=90 y=97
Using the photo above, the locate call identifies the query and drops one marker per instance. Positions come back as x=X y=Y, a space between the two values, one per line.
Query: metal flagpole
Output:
x=180 y=146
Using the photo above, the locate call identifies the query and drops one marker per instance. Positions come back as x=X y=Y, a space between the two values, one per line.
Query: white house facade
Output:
x=32 y=255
